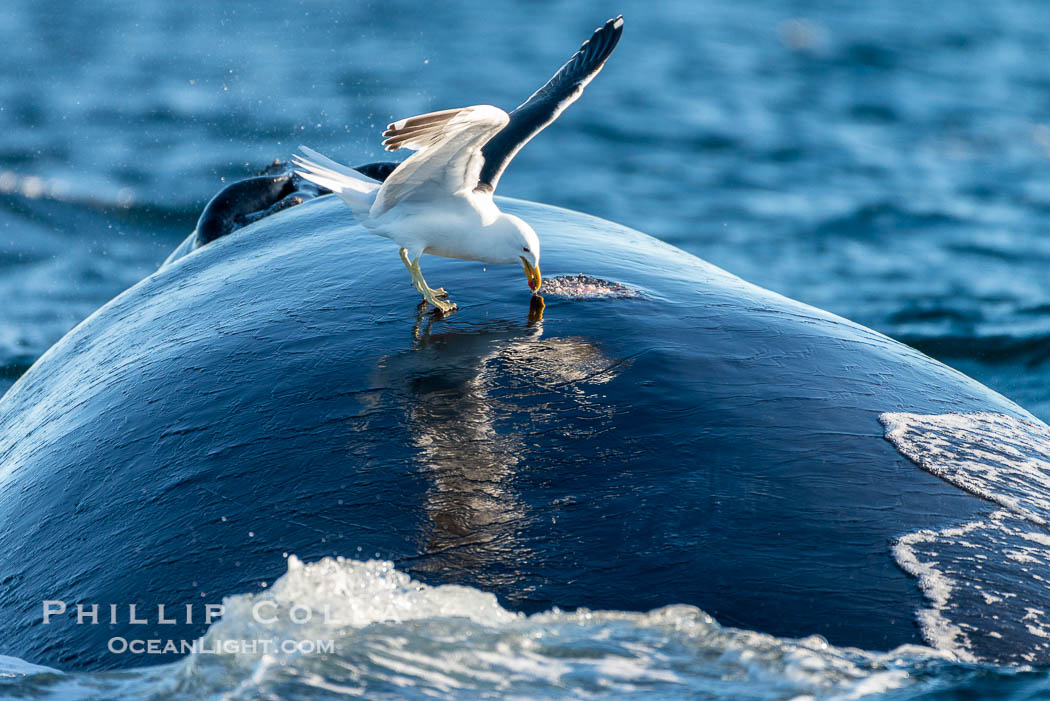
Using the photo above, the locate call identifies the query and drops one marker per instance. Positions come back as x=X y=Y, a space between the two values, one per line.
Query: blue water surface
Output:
x=887 y=161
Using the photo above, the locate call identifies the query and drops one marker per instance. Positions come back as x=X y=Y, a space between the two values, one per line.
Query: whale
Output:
x=665 y=433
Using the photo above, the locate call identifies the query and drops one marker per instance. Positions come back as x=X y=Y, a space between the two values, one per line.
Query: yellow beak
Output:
x=533 y=274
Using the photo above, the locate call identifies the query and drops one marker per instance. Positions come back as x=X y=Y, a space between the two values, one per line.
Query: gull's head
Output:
x=520 y=243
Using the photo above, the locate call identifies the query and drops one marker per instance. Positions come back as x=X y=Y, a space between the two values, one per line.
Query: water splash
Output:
x=394 y=637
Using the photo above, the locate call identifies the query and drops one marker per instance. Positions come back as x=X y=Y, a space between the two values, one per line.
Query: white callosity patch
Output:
x=394 y=636
x=986 y=582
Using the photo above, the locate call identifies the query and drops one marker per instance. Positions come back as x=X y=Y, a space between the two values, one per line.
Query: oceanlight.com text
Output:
x=135 y=646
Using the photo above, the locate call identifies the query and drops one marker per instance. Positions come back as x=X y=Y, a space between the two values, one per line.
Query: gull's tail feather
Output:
x=357 y=190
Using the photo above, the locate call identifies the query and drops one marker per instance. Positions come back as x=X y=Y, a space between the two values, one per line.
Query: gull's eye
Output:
x=526 y=249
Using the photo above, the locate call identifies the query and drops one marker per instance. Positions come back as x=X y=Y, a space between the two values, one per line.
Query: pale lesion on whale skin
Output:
x=582 y=286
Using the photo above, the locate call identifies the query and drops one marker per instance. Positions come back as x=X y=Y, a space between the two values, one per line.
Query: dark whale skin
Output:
x=707 y=442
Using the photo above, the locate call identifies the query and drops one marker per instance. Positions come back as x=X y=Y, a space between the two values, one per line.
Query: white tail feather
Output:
x=357 y=190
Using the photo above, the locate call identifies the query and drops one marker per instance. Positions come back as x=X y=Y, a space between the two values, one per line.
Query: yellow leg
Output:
x=439 y=292
x=438 y=297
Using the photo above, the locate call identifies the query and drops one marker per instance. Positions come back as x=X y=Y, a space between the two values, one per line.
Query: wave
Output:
x=61 y=196
x=346 y=628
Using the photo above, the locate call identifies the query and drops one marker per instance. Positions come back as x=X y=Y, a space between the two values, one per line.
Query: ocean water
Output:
x=889 y=162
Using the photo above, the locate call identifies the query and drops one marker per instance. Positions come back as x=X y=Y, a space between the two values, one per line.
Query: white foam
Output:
x=14 y=667
x=996 y=457
x=937 y=627
x=983 y=588
x=981 y=580
x=395 y=636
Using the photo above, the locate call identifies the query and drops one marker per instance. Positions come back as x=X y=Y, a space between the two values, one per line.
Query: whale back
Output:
x=699 y=440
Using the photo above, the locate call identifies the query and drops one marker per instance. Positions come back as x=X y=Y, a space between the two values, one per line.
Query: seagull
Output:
x=439 y=200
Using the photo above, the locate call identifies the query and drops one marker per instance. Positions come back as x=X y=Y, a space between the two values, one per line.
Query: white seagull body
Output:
x=439 y=200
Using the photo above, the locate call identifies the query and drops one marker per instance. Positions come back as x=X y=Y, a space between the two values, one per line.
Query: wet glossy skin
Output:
x=276 y=391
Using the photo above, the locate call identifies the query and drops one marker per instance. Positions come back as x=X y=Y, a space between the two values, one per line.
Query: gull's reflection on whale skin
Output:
x=476 y=400
x=425 y=321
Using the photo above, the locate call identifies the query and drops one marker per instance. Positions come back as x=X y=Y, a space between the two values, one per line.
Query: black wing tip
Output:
x=614 y=24
x=599 y=47
x=544 y=106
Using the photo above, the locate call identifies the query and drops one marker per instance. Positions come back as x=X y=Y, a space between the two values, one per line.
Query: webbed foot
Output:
x=438 y=297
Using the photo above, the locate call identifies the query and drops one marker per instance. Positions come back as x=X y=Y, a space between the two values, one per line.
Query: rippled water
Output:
x=887 y=161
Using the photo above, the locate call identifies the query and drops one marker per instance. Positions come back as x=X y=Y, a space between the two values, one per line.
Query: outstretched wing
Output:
x=448 y=153
x=530 y=118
